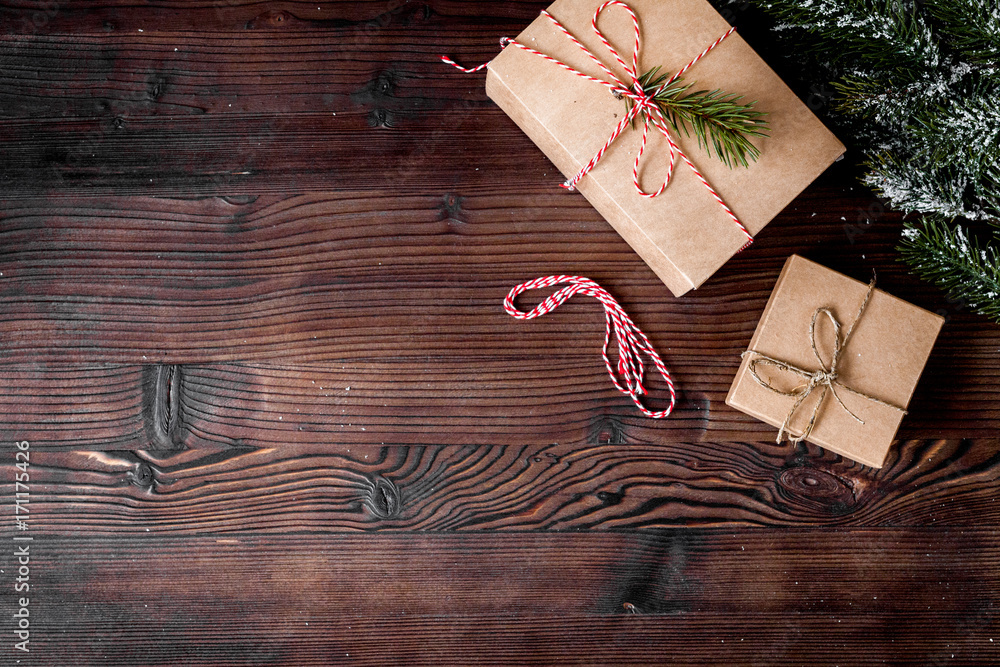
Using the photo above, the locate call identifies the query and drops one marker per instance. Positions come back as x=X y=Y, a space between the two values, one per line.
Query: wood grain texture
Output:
x=293 y=489
x=569 y=638
x=254 y=97
x=399 y=295
x=250 y=17
x=430 y=401
x=763 y=597
x=218 y=217
x=274 y=104
x=103 y=408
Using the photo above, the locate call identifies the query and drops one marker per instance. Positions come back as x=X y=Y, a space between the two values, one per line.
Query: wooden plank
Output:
x=251 y=98
x=767 y=597
x=163 y=73
x=348 y=487
x=529 y=574
x=698 y=638
x=565 y=639
x=252 y=154
x=100 y=407
x=431 y=402
x=252 y=17
x=180 y=281
x=253 y=111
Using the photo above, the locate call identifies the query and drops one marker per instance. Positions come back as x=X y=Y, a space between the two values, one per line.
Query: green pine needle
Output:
x=891 y=32
x=971 y=27
x=722 y=125
x=917 y=88
x=944 y=253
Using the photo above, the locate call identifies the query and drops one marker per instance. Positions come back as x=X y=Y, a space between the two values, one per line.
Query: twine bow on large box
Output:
x=642 y=104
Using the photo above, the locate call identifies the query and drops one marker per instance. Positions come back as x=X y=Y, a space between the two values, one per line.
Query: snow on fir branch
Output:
x=970 y=27
x=946 y=254
x=918 y=88
x=887 y=31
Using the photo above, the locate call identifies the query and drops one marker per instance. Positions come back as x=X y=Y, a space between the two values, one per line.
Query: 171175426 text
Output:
x=22 y=547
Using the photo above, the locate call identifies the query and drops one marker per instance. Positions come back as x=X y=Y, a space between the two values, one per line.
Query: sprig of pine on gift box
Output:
x=918 y=89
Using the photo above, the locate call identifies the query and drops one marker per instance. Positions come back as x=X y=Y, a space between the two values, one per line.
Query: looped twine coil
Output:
x=632 y=342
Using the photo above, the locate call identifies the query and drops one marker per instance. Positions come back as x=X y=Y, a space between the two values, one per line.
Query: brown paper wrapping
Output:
x=883 y=358
x=683 y=234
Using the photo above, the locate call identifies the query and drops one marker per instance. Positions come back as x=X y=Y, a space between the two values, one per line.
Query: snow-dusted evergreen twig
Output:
x=918 y=85
x=887 y=31
x=970 y=27
x=945 y=254
x=948 y=162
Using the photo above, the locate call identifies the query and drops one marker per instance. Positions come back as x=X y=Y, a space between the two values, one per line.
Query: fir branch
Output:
x=891 y=33
x=961 y=140
x=722 y=125
x=965 y=131
x=970 y=27
x=911 y=186
x=882 y=54
x=947 y=161
x=887 y=97
x=943 y=253
x=918 y=88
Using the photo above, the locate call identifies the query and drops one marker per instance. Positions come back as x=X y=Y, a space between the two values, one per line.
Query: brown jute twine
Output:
x=825 y=378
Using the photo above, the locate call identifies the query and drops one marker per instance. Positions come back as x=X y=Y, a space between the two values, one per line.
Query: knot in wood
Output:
x=607 y=431
x=143 y=475
x=609 y=498
x=383 y=499
x=816 y=489
x=384 y=84
x=270 y=19
x=380 y=118
x=164 y=412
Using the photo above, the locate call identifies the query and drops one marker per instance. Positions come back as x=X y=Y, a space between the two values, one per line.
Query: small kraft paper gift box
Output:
x=834 y=361
x=708 y=211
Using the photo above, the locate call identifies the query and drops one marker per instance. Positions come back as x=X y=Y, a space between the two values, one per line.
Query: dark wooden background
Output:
x=252 y=259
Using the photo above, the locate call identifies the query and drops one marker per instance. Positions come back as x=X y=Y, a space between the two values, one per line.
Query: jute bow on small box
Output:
x=825 y=378
x=804 y=349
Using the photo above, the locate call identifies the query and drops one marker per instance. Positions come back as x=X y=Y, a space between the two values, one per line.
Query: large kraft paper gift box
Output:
x=884 y=344
x=683 y=234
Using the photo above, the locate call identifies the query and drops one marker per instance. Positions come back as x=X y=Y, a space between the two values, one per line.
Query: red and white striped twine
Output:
x=643 y=104
x=632 y=342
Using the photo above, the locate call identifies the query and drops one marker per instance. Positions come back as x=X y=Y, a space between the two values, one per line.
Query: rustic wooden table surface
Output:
x=252 y=260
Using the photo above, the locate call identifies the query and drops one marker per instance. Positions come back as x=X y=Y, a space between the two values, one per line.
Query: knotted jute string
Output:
x=643 y=104
x=631 y=340
x=825 y=378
